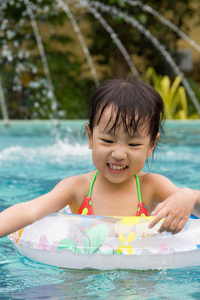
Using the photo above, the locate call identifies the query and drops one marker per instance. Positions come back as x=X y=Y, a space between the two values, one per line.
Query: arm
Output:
x=23 y=214
x=176 y=207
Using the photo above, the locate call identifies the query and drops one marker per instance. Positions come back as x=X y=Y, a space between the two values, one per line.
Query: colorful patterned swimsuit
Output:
x=86 y=208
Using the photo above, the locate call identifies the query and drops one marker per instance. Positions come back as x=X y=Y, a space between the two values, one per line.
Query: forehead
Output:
x=106 y=120
x=112 y=121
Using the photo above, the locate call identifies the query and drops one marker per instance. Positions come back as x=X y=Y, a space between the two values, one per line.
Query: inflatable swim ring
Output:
x=104 y=242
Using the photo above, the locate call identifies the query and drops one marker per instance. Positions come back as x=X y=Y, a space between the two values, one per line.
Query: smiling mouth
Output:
x=114 y=167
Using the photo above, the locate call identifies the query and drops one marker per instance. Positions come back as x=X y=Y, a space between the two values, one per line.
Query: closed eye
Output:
x=134 y=145
x=107 y=141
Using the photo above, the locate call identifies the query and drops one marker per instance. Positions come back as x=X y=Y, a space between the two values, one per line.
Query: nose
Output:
x=119 y=154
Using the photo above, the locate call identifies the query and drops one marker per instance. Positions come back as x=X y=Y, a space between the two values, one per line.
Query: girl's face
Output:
x=116 y=155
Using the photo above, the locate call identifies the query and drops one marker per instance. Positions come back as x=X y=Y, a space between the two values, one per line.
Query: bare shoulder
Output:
x=74 y=189
x=74 y=184
x=69 y=191
x=151 y=178
x=157 y=185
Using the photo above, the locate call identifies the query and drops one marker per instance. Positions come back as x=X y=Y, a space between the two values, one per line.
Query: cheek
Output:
x=99 y=154
x=138 y=155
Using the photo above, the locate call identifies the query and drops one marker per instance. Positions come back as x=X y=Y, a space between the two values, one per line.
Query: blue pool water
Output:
x=34 y=156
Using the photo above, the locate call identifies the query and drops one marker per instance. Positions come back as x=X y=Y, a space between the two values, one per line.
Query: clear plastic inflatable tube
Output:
x=107 y=242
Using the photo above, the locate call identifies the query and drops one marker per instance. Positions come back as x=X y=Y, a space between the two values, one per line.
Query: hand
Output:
x=176 y=210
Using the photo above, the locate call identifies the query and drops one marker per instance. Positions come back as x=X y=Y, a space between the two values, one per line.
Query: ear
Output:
x=152 y=146
x=89 y=135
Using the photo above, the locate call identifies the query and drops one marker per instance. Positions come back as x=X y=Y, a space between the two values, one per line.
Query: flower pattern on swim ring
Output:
x=126 y=248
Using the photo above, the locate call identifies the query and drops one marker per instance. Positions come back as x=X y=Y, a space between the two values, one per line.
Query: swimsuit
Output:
x=86 y=207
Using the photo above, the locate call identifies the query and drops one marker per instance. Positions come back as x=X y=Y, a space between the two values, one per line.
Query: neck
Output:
x=115 y=186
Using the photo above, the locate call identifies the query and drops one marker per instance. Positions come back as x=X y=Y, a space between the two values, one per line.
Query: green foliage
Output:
x=24 y=81
x=137 y=45
x=172 y=93
x=195 y=86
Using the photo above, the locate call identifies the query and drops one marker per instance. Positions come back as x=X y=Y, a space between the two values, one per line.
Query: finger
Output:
x=166 y=224
x=158 y=208
x=157 y=218
x=173 y=225
x=179 y=226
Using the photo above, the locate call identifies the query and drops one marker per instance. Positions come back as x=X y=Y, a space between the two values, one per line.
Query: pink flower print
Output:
x=163 y=248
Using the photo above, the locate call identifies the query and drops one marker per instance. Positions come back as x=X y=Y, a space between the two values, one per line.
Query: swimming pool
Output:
x=34 y=156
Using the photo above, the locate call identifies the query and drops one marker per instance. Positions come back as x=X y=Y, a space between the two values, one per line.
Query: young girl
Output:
x=123 y=130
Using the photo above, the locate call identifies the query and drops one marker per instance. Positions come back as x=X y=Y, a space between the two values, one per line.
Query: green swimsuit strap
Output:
x=92 y=183
x=138 y=188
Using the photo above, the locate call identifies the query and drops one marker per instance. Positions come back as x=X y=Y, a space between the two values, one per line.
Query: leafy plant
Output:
x=25 y=83
x=138 y=46
x=173 y=94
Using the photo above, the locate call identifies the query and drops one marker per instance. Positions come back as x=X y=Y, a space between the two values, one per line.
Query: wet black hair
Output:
x=133 y=103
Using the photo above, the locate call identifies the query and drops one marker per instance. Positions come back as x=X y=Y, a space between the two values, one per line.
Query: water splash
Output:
x=60 y=152
x=113 y=36
x=164 y=21
x=42 y=55
x=3 y=105
x=94 y=7
x=131 y=20
x=66 y=9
